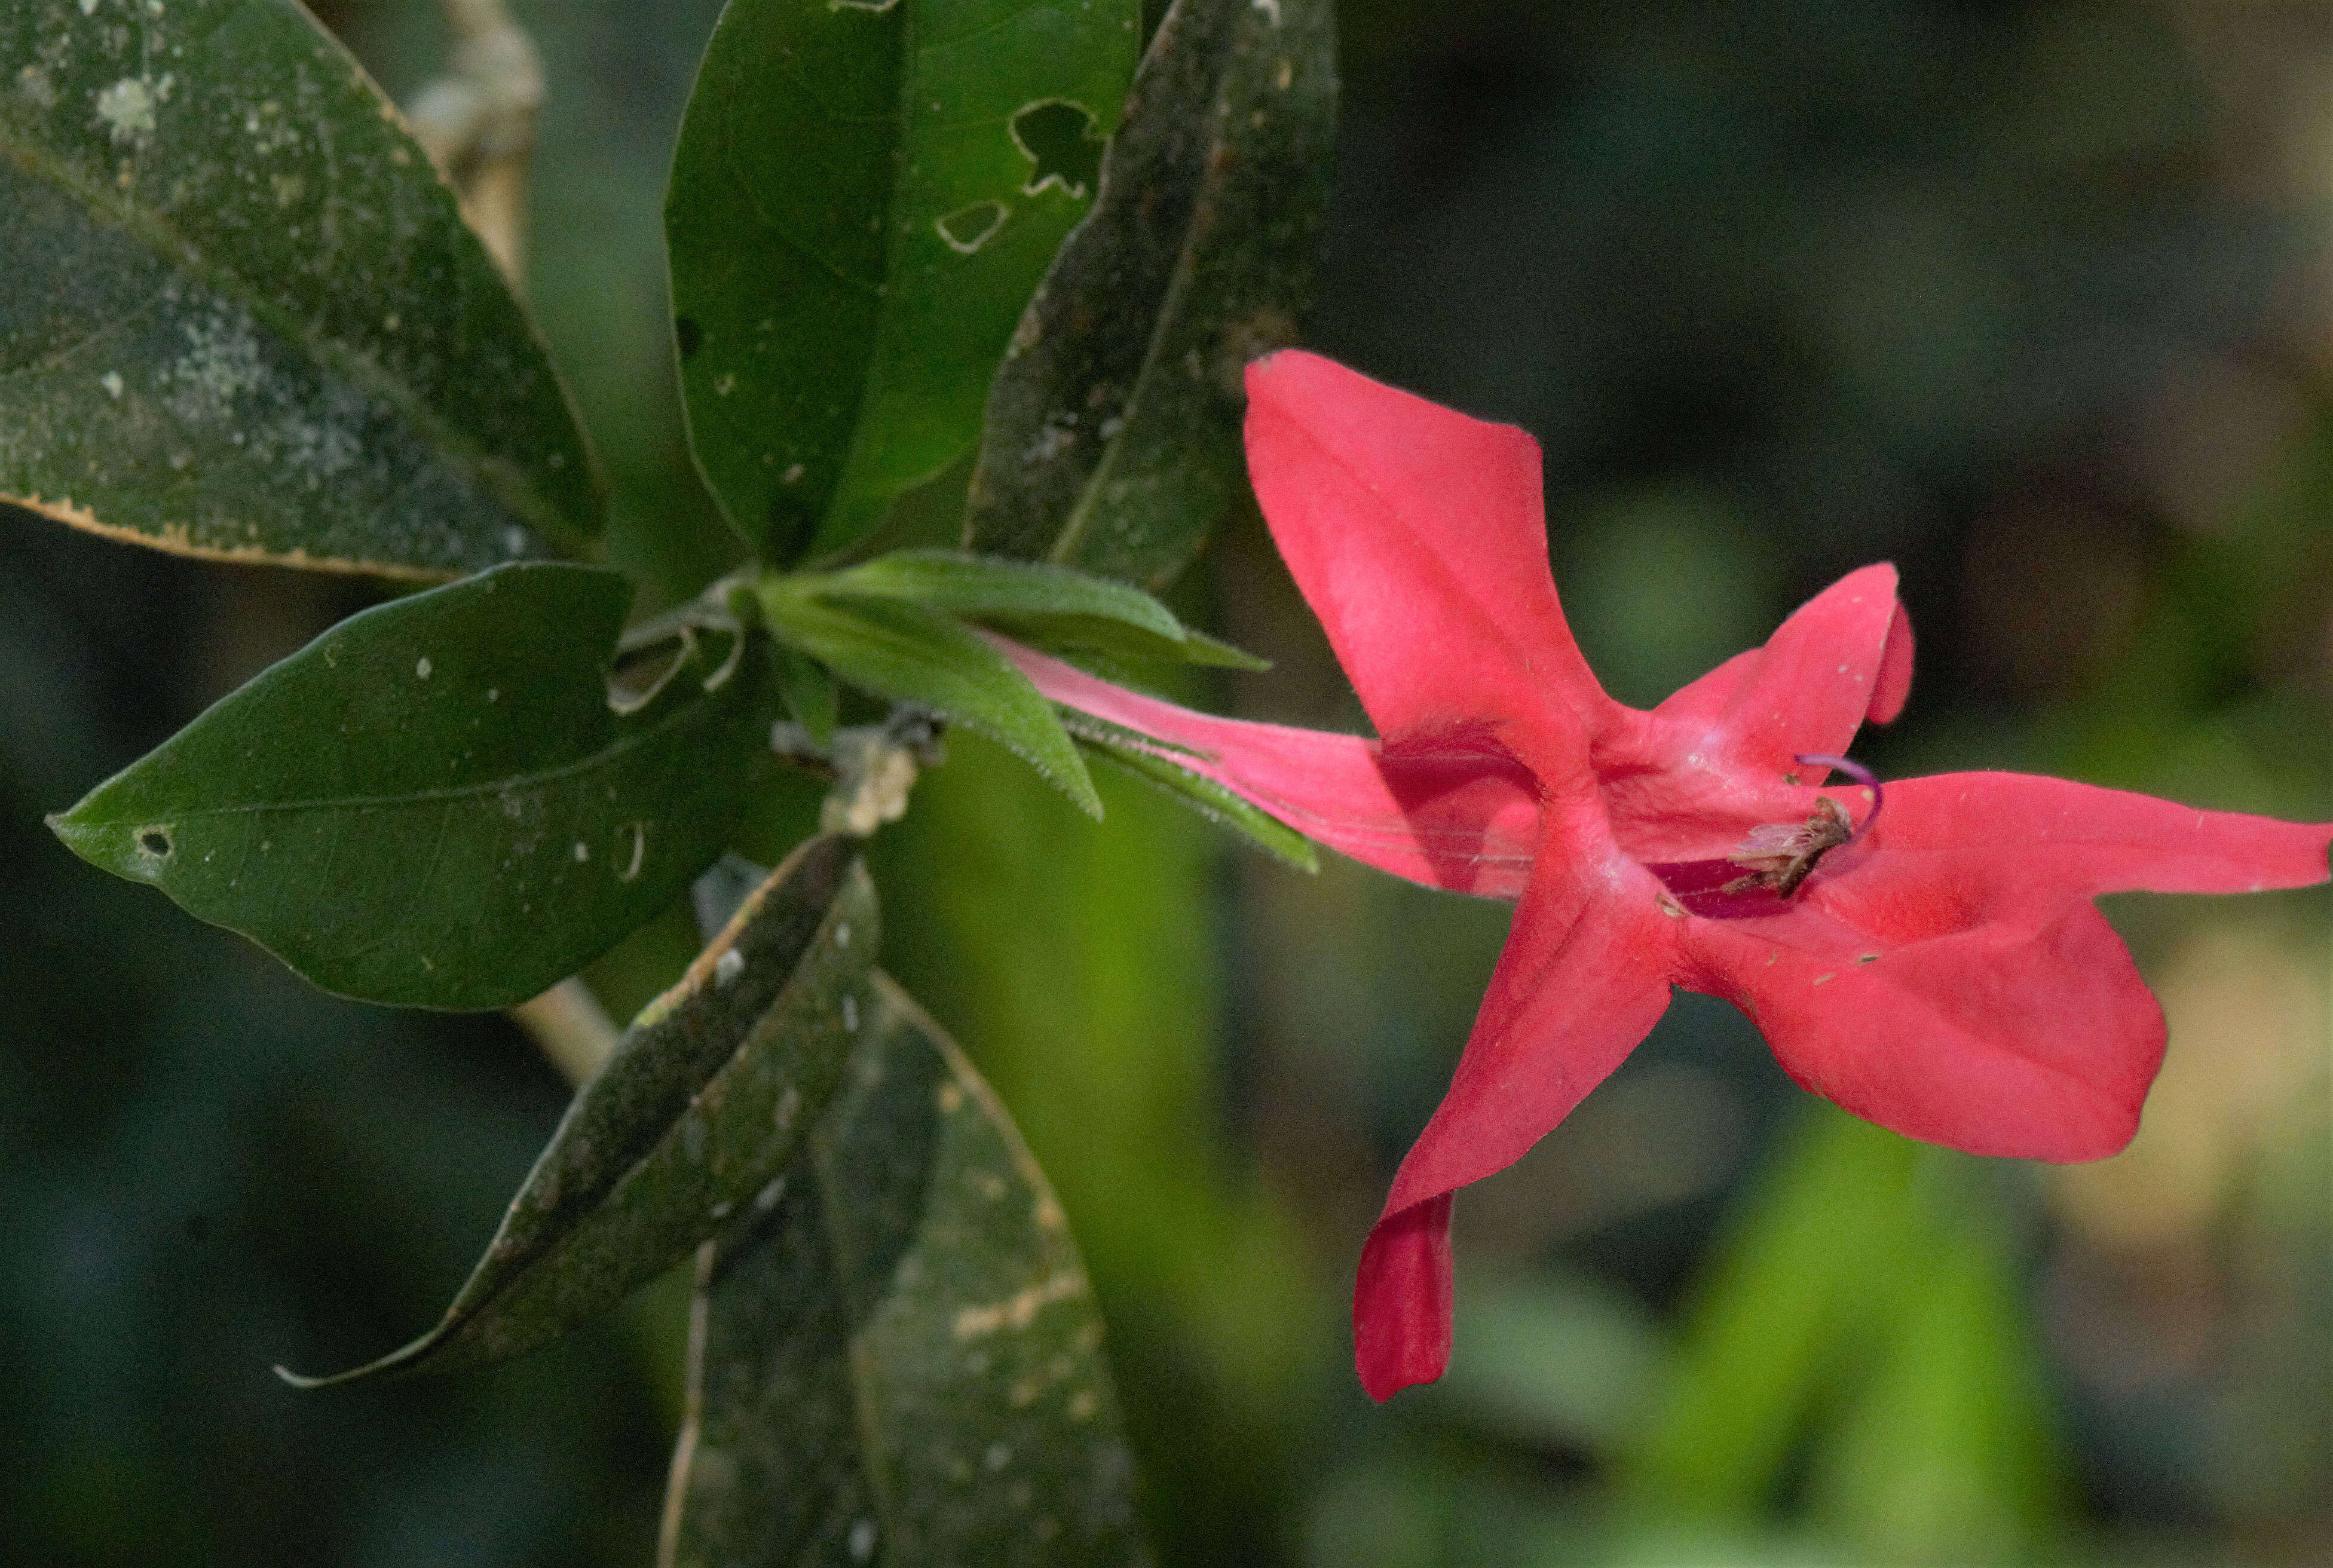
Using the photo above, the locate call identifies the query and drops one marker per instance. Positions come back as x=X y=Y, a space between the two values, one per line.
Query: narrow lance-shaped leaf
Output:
x=242 y=317
x=1047 y=606
x=692 y=1120
x=862 y=198
x=434 y=803
x=907 y=653
x=1112 y=437
x=1204 y=797
x=901 y=1359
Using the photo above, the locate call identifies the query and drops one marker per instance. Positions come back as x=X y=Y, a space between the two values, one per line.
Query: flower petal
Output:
x=1584 y=977
x=1466 y=821
x=1960 y=847
x=1946 y=975
x=1417 y=536
x=2004 y=1040
x=1844 y=654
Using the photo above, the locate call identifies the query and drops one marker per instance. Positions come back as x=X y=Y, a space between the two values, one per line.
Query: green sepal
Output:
x=908 y=653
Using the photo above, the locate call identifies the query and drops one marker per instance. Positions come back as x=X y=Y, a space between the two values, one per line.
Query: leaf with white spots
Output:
x=243 y=318
x=693 y=1122
x=863 y=196
x=899 y=1359
x=435 y=803
x=1112 y=437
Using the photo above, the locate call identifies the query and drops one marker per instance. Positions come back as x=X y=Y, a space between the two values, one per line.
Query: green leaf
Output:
x=1043 y=605
x=863 y=197
x=1204 y=795
x=902 y=1356
x=979 y=585
x=1112 y=435
x=243 y=318
x=810 y=696
x=695 y=1117
x=910 y=654
x=433 y=803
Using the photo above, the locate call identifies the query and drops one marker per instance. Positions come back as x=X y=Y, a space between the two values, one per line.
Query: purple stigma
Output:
x=1859 y=774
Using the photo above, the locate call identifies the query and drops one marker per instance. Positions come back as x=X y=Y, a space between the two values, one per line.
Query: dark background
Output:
x=2030 y=298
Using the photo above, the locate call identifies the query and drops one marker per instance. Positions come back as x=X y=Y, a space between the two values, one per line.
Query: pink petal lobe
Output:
x=1844 y=654
x=1891 y=684
x=1417 y=536
x=1583 y=977
x=1947 y=977
x=1465 y=822
x=2002 y=844
x=1403 y=1298
x=2033 y=1042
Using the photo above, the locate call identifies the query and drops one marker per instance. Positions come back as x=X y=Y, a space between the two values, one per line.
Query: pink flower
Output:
x=1942 y=971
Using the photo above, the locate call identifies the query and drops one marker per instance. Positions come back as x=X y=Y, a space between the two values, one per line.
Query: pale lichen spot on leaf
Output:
x=1018 y=1311
x=421 y=667
x=967 y=228
x=128 y=108
x=862 y=1532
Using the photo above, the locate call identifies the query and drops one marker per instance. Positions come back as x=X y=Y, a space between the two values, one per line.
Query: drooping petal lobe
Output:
x=1417 y=536
x=1583 y=977
x=1467 y=822
x=2000 y=1040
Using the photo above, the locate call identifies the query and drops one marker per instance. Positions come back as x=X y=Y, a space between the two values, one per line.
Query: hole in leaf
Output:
x=640 y=673
x=1057 y=136
x=691 y=336
x=154 y=841
x=967 y=229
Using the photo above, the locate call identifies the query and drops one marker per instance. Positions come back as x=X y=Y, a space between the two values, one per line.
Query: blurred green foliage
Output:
x=2020 y=295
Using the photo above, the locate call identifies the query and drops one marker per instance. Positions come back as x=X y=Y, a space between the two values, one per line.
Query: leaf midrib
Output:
x=613 y=751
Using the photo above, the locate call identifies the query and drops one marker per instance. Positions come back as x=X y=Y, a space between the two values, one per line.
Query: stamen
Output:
x=1779 y=856
x=1856 y=771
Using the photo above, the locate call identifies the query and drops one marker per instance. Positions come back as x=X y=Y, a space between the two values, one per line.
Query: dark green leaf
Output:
x=980 y=586
x=696 y=1116
x=1211 y=801
x=1112 y=437
x=862 y=198
x=1048 y=607
x=242 y=318
x=911 y=654
x=1120 y=645
x=903 y=1356
x=810 y=696
x=433 y=803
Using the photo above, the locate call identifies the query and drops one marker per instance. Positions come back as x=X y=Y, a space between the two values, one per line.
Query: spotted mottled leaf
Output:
x=694 y=1119
x=1112 y=435
x=241 y=316
x=900 y=1360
